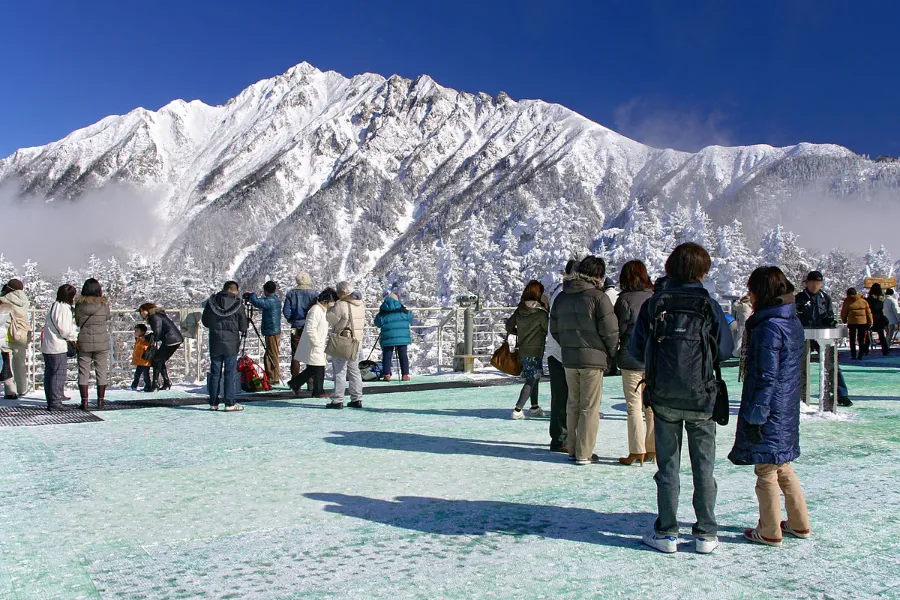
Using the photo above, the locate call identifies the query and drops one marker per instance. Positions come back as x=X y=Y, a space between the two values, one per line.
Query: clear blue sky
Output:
x=681 y=74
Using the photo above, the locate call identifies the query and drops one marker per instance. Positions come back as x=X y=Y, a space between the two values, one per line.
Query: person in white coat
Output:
x=59 y=330
x=311 y=347
x=892 y=312
x=348 y=312
x=16 y=303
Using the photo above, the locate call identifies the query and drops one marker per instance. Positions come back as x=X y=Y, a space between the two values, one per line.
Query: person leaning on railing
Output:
x=59 y=330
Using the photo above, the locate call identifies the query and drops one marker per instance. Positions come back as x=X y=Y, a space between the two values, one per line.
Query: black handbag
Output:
x=149 y=353
x=721 y=410
x=71 y=349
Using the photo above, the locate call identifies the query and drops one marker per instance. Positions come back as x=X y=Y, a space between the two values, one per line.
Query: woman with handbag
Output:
x=529 y=323
x=92 y=318
x=347 y=318
x=311 y=347
x=636 y=289
x=58 y=345
x=768 y=428
x=165 y=339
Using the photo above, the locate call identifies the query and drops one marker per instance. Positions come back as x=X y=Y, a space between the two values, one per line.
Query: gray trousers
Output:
x=54 y=378
x=669 y=425
x=346 y=371
x=100 y=362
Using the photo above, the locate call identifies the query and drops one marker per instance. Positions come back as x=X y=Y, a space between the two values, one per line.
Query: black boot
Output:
x=83 y=390
x=101 y=396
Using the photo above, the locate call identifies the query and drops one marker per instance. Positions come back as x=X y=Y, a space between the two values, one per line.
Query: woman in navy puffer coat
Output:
x=393 y=319
x=768 y=428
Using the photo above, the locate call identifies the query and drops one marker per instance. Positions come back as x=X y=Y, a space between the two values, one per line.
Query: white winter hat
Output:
x=303 y=279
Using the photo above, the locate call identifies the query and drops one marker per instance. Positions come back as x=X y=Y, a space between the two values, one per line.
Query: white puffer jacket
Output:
x=891 y=310
x=59 y=328
x=311 y=349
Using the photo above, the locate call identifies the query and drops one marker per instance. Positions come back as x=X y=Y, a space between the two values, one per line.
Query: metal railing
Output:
x=437 y=335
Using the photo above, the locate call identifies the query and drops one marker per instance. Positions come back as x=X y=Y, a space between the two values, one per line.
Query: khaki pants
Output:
x=640 y=438
x=583 y=410
x=271 y=360
x=769 y=480
x=20 y=372
x=100 y=362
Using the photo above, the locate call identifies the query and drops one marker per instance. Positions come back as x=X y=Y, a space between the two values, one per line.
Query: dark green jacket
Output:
x=584 y=324
x=529 y=325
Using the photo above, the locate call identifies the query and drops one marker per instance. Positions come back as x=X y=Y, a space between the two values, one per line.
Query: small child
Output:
x=142 y=367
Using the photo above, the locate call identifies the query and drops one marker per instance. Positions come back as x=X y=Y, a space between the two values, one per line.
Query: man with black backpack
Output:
x=681 y=335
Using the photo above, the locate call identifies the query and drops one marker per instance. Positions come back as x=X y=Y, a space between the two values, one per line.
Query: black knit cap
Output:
x=815 y=276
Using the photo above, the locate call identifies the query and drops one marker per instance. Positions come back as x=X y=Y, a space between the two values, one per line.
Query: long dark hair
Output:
x=533 y=292
x=768 y=285
x=91 y=288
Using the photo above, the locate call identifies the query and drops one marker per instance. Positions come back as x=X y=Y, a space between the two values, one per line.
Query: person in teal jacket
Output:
x=270 y=305
x=393 y=319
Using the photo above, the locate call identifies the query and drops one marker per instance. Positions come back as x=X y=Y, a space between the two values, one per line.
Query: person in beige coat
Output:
x=347 y=312
x=16 y=303
x=92 y=318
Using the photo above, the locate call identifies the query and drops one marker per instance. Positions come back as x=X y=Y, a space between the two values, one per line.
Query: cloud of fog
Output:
x=113 y=221
x=687 y=130
x=852 y=222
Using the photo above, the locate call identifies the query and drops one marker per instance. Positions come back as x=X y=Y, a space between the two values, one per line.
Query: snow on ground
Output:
x=423 y=495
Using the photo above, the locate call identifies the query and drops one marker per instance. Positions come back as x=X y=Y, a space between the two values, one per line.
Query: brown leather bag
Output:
x=506 y=360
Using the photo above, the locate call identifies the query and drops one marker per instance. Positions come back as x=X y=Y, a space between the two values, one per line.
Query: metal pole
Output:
x=804 y=373
x=828 y=363
x=469 y=339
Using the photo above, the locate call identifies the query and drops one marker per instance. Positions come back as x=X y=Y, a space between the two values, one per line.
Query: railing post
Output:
x=469 y=338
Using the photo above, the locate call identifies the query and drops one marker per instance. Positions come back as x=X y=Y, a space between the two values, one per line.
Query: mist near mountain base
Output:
x=116 y=220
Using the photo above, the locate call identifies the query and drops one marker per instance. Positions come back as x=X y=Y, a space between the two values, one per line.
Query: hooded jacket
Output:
x=529 y=324
x=311 y=348
x=856 y=311
x=584 y=324
x=92 y=318
x=393 y=319
x=295 y=304
x=271 y=313
x=16 y=302
x=348 y=312
x=771 y=395
x=627 y=308
x=226 y=319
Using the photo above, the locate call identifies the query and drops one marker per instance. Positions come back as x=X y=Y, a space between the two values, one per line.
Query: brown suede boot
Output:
x=101 y=394
x=83 y=390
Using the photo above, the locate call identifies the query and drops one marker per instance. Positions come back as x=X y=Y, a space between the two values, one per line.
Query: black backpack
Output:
x=680 y=365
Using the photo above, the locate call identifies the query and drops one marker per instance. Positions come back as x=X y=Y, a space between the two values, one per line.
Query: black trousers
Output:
x=311 y=373
x=858 y=336
x=559 y=398
x=159 y=361
x=882 y=338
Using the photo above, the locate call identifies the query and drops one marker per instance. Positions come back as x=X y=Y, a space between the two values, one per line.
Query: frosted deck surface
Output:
x=424 y=495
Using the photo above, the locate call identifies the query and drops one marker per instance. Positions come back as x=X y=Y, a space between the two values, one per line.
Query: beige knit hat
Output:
x=304 y=280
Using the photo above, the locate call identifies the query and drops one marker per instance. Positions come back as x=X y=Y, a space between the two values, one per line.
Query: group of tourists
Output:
x=667 y=339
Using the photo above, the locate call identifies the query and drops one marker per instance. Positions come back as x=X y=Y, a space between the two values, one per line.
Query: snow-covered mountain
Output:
x=393 y=181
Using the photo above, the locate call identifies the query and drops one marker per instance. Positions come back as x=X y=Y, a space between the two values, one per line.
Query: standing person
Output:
x=680 y=335
x=892 y=312
x=92 y=318
x=559 y=389
x=875 y=298
x=226 y=319
x=393 y=319
x=768 y=427
x=530 y=323
x=141 y=366
x=742 y=311
x=6 y=374
x=59 y=330
x=855 y=312
x=167 y=338
x=585 y=326
x=815 y=310
x=347 y=313
x=311 y=347
x=270 y=305
x=636 y=289
x=16 y=302
x=295 y=304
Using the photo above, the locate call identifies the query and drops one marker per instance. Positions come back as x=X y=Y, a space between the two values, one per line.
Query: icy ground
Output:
x=423 y=495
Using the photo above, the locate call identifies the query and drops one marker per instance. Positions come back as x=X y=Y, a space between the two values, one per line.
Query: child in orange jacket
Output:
x=141 y=366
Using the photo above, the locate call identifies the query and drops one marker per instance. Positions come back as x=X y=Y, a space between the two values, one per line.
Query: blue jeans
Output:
x=222 y=370
x=669 y=426
x=388 y=358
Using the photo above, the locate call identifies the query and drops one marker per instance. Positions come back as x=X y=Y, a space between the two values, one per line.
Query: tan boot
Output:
x=83 y=390
x=101 y=394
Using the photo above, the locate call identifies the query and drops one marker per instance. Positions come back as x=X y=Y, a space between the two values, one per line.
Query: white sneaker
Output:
x=706 y=546
x=665 y=544
x=536 y=411
x=517 y=414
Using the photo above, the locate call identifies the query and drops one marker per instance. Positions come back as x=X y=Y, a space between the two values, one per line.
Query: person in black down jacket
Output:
x=165 y=335
x=226 y=319
x=636 y=289
x=768 y=428
x=875 y=298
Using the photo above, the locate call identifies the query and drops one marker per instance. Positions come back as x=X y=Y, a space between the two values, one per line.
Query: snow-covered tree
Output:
x=141 y=281
x=114 y=282
x=194 y=288
x=879 y=264
x=643 y=238
x=72 y=277
x=841 y=270
x=41 y=293
x=678 y=223
x=7 y=270
x=780 y=248
x=699 y=229
x=733 y=260
x=95 y=268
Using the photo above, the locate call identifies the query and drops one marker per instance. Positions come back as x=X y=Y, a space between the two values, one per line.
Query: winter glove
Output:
x=754 y=435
